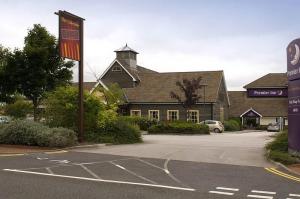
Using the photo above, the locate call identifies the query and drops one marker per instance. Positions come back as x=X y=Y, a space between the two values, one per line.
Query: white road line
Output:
x=221 y=193
x=133 y=173
x=90 y=172
x=227 y=189
x=101 y=180
x=259 y=196
x=153 y=165
x=167 y=171
x=295 y=195
x=49 y=170
x=107 y=161
x=263 y=192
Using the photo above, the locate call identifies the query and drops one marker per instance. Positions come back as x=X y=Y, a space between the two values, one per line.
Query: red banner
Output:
x=69 y=36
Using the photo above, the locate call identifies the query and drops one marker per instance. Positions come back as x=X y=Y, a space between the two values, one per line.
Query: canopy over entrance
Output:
x=250 y=118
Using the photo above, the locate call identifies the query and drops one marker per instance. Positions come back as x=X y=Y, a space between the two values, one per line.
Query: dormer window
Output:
x=116 y=68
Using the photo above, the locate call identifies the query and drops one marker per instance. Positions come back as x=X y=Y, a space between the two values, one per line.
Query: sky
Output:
x=245 y=38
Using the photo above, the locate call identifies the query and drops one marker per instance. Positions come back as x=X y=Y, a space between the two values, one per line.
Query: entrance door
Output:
x=251 y=119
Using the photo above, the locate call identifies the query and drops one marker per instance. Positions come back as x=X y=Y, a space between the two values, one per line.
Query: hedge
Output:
x=119 y=132
x=231 y=125
x=143 y=123
x=179 y=128
x=24 y=132
x=278 y=150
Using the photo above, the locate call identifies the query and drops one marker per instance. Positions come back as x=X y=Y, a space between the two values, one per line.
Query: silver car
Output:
x=4 y=120
x=214 y=125
x=273 y=127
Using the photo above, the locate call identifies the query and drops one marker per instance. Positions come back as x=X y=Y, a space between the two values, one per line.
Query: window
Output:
x=154 y=115
x=172 y=115
x=193 y=116
x=135 y=113
x=116 y=68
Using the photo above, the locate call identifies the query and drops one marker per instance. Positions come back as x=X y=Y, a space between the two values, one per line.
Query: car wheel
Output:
x=217 y=131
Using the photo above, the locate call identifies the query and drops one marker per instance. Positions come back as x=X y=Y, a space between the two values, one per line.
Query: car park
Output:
x=214 y=125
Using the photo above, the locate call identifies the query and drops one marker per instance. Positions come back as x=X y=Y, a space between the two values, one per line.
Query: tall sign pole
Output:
x=71 y=47
x=293 y=75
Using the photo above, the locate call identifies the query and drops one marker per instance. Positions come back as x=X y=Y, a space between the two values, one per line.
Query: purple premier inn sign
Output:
x=267 y=92
x=293 y=74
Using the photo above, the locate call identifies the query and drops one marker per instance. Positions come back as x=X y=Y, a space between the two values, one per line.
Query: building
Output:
x=147 y=92
x=264 y=101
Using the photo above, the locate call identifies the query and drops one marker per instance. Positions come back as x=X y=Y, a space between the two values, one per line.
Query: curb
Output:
x=284 y=167
x=88 y=146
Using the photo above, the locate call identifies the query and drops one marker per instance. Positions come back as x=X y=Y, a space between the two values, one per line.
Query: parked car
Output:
x=4 y=120
x=273 y=127
x=214 y=125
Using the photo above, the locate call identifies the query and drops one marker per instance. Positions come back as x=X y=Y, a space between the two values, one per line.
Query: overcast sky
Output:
x=245 y=38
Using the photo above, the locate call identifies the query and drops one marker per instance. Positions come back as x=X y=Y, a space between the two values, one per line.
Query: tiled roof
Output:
x=86 y=85
x=156 y=87
x=271 y=107
x=269 y=80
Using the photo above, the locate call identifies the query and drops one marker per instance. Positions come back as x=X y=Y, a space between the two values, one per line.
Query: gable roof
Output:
x=156 y=87
x=271 y=80
x=250 y=110
x=271 y=107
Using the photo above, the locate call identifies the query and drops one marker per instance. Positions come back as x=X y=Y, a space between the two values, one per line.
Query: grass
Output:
x=278 y=150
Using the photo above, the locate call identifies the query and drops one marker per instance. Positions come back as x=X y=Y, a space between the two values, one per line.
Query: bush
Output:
x=143 y=123
x=117 y=132
x=19 y=109
x=179 y=127
x=278 y=149
x=231 y=125
x=23 y=132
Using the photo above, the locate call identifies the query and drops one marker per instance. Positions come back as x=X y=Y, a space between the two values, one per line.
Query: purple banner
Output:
x=294 y=115
x=268 y=92
x=293 y=60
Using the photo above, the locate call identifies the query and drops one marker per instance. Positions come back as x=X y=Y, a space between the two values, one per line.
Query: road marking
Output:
x=258 y=196
x=133 y=173
x=101 y=180
x=274 y=171
x=56 y=152
x=263 y=192
x=222 y=193
x=90 y=172
x=42 y=158
x=227 y=189
x=295 y=195
x=49 y=170
x=11 y=155
x=100 y=162
x=153 y=165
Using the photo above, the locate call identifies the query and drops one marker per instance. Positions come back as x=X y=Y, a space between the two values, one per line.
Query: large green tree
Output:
x=38 y=67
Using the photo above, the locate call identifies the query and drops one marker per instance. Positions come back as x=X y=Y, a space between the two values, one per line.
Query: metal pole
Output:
x=80 y=68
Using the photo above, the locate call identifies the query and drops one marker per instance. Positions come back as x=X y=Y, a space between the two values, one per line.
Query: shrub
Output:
x=231 y=125
x=23 y=132
x=179 y=127
x=117 y=132
x=19 y=109
x=278 y=149
x=143 y=123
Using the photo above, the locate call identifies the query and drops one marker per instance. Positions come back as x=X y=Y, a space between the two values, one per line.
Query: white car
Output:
x=214 y=125
x=4 y=120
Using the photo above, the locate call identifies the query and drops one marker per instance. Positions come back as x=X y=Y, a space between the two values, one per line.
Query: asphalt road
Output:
x=90 y=175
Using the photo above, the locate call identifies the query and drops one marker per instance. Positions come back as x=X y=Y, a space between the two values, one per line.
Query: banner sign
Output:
x=294 y=115
x=293 y=60
x=268 y=92
x=293 y=74
x=69 y=35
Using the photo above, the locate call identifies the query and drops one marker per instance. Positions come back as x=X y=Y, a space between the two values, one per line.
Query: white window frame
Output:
x=149 y=115
x=190 y=111
x=118 y=70
x=136 y=110
x=168 y=115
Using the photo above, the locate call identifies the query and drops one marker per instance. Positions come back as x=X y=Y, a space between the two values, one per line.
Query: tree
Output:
x=19 y=109
x=38 y=68
x=189 y=89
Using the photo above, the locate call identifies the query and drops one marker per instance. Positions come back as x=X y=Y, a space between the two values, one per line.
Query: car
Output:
x=273 y=127
x=4 y=120
x=214 y=125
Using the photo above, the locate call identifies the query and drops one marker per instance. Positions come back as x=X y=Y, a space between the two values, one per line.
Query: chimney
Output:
x=127 y=57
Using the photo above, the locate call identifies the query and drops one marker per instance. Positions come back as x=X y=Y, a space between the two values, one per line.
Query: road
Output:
x=76 y=174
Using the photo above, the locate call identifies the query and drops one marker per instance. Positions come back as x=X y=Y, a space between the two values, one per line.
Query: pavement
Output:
x=159 y=168
x=239 y=148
